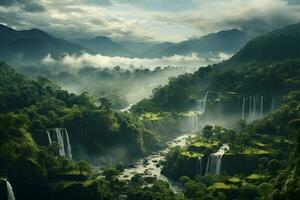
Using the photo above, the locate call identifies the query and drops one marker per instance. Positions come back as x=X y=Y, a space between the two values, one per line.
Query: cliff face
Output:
x=230 y=164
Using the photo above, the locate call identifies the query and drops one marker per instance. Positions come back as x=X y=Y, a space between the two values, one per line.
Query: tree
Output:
x=105 y=103
x=207 y=131
x=84 y=167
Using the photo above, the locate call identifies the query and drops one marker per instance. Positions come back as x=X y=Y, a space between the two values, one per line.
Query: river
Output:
x=150 y=166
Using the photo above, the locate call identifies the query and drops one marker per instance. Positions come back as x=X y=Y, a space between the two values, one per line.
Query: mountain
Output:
x=137 y=47
x=32 y=45
x=228 y=41
x=283 y=43
x=268 y=64
x=105 y=46
x=153 y=51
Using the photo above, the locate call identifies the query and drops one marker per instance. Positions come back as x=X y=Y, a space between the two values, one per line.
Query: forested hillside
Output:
x=43 y=105
x=270 y=61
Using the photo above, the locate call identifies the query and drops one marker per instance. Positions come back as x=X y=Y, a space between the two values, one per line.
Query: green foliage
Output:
x=182 y=92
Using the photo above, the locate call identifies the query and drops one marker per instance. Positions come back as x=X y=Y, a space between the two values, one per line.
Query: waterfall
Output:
x=273 y=103
x=250 y=107
x=69 y=149
x=243 y=108
x=49 y=137
x=261 y=106
x=219 y=96
x=202 y=103
x=214 y=162
x=199 y=166
x=193 y=121
x=9 y=189
x=256 y=107
x=10 y=192
x=60 y=142
x=63 y=141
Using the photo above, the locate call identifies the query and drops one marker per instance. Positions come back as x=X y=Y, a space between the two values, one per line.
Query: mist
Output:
x=122 y=80
x=100 y=61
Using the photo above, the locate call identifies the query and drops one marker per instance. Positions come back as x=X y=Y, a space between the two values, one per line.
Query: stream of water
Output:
x=150 y=167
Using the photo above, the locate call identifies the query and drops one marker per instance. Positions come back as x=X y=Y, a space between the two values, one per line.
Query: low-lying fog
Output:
x=122 y=80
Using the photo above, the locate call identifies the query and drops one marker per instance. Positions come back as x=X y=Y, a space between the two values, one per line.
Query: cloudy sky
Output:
x=147 y=20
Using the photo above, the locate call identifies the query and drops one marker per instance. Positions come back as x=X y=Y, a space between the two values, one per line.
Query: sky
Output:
x=147 y=20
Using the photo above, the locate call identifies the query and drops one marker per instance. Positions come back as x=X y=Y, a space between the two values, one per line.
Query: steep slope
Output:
x=155 y=49
x=229 y=42
x=266 y=64
x=105 y=46
x=32 y=45
x=283 y=43
x=137 y=47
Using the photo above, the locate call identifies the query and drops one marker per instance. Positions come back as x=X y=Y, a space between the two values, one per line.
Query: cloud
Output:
x=294 y=2
x=101 y=61
x=148 y=20
x=26 y=5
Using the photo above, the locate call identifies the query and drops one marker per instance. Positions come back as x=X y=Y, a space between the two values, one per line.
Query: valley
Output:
x=215 y=116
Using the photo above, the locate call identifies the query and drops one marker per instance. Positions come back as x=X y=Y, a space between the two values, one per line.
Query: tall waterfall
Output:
x=202 y=104
x=49 y=137
x=62 y=136
x=243 y=108
x=199 y=166
x=69 y=149
x=60 y=142
x=193 y=121
x=9 y=190
x=214 y=162
x=261 y=106
x=272 y=104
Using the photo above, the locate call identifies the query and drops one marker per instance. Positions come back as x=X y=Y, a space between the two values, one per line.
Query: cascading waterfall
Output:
x=202 y=103
x=261 y=106
x=62 y=136
x=273 y=103
x=199 y=166
x=255 y=106
x=193 y=121
x=60 y=142
x=49 y=137
x=243 y=108
x=69 y=149
x=214 y=162
x=9 y=190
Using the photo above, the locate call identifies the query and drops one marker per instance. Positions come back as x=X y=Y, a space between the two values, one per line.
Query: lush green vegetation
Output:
x=263 y=161
x=45 y=106
x=272 y=144
x=182 y=92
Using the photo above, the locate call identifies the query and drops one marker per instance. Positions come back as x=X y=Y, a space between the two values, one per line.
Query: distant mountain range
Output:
x=32 y=45
x=105 y=46
x=229 y=42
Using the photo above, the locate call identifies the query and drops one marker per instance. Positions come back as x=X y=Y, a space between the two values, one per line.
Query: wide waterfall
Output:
x=199 y=166
x=214 y=162
x=255 y=107
x=62 y=137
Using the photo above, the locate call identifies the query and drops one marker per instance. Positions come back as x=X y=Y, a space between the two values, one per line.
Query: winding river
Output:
x=150 y=166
